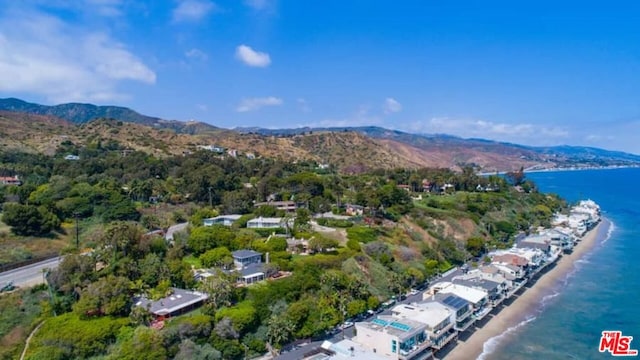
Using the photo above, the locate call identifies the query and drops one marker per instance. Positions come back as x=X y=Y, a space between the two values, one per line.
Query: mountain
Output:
x=487 y=155
x=82 y=113
x=39 y=128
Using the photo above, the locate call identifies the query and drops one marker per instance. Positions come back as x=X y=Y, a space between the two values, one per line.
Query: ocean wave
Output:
x=610 y=231
x=491 y=345
x=545 y=299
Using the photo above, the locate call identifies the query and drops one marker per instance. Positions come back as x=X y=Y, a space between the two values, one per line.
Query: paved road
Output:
x=29 y=275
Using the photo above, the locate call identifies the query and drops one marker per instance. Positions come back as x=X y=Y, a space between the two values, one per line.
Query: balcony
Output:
x=419 y=351
x=444 y=339
x=464 y=324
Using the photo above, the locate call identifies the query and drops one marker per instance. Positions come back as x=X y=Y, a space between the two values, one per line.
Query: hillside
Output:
x=82 y=113
x=40 y=128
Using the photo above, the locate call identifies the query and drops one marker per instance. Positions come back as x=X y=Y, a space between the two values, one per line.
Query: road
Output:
x=29 y=275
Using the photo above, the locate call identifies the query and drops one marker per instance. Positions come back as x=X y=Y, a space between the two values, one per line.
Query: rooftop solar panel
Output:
x=455 y=302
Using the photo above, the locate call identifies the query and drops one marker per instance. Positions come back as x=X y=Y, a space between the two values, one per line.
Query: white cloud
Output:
x=469 y=128
x=252 y=57
x=43 y=55
x=253 y=104
x=196 y=54
x=193 y=10
x=391 y=105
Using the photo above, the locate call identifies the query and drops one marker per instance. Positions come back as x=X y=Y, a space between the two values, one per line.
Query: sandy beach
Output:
x=471 y=346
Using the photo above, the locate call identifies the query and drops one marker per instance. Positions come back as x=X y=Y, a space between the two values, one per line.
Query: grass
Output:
x=193 y=261
x=19 y=312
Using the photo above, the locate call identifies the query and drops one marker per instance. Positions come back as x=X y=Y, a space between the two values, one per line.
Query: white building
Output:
x=268 y=223
x=226 y=220
x=397 y=339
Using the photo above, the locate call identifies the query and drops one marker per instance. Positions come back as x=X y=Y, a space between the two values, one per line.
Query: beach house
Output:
x=393 y=338
x=478 y=298
x=439 y=320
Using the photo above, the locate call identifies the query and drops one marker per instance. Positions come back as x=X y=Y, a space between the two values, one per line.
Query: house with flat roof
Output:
x=538 y=241
x=268 y=223
x=478 y=298
x=345 y=349
x=246 y=257
x=226 y=220
x=179 y=302
x=439 y=320
x=288 y=206
x=393 y=338
x=462 y=310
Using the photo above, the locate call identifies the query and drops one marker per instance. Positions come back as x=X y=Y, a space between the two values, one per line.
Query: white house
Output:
x=268 y=223
x=393 y=338
x=226 y=220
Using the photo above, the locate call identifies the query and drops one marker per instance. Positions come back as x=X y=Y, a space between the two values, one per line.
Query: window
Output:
x=394 y=346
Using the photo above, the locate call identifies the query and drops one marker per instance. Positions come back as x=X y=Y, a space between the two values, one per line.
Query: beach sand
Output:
x=471 y=346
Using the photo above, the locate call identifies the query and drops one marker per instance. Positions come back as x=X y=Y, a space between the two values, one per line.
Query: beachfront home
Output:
x=398 y=339
x=539 y=241
x=345 y=349
x=478 y=298
x=495 y=285
x=462 y=310
x=439 y=320
x=226 y=220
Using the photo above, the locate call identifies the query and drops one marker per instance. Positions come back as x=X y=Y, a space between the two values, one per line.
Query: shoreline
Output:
x=518 y=312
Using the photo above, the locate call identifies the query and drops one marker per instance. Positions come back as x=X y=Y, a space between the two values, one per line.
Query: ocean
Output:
x=602 y=292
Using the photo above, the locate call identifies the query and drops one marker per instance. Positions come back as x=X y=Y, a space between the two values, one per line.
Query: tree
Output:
x=280 y=328
x=189 y=350
x=303 y=216
x=475 y=246
x=321 y=244
x=202 y=239
x=146 y=343
x=108 y=296
x=29 y=220
x=153 y=270
x=218 y=257
x=220 y=288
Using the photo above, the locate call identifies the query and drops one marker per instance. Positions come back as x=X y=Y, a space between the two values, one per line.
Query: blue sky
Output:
x=535 y=73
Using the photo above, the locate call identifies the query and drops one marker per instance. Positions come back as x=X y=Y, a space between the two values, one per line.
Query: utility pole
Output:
x=76 y=215
x=210 y=198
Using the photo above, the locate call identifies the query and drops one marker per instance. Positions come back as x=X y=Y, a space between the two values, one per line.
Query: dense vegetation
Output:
x=119 y=196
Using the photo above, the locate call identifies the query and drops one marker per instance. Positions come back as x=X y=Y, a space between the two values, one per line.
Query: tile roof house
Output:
x=10 y=180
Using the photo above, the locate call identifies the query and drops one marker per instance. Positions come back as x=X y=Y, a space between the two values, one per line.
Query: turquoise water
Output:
x=603 y=290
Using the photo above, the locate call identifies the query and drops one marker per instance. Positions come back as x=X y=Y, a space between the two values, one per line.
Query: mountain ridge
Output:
x=350 y=149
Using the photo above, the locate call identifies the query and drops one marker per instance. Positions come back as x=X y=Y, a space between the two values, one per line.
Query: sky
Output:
x=534 y=73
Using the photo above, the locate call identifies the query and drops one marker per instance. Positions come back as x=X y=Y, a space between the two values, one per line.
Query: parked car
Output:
x=347 y=324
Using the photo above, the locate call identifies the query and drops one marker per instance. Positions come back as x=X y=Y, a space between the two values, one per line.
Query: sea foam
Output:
x=490 y=345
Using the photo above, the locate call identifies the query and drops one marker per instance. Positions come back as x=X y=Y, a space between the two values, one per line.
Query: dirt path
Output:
x=26 y=344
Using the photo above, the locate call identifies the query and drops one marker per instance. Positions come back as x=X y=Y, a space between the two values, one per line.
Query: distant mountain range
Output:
x=79 y=113
x=351 y=149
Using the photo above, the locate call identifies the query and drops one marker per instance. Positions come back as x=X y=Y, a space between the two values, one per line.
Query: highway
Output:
x=29 y=275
